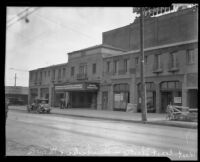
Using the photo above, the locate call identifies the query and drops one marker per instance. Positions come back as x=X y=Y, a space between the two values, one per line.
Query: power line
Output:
x=64 y=26
x=17 y=15
x=22 y=17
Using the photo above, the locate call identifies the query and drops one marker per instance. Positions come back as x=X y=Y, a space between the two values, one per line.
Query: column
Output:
x=50 y=101
x=39 y=92
x=133 y=94
x=99 y=100
x=111 y=98
x=158 y=97
x=29 y=96
x=184 y=97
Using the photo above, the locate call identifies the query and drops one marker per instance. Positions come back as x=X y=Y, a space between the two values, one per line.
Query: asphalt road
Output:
x=49 y=134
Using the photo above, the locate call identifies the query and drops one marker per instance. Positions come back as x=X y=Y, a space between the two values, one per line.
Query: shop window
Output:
x=171 y=85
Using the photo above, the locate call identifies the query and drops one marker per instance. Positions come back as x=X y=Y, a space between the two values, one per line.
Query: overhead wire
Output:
x=22 y=17
x=17 y=15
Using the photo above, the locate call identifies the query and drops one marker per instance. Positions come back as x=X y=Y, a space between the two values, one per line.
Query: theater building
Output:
x=77 y=81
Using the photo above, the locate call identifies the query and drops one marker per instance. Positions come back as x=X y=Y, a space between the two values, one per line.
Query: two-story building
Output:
x=77 y=81
x=170 y=63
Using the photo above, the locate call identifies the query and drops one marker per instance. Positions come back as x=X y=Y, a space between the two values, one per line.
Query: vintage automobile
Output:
x=39 y=106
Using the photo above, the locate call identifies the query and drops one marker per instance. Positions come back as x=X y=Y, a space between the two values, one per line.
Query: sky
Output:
x=52 y=32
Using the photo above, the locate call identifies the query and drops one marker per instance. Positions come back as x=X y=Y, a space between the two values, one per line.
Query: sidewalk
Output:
x=153 y=118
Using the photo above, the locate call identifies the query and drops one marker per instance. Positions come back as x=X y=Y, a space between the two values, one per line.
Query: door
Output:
x=166 y=99
x=104 y=100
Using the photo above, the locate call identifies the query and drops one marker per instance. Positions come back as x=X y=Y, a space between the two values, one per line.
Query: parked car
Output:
x=39 y=106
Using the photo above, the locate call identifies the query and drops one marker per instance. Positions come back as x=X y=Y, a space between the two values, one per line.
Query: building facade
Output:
x=107 y=76
x=16 y=95
x=171 y=66
x=77 y=81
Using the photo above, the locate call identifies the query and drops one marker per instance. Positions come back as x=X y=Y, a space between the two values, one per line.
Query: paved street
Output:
x=50 y=134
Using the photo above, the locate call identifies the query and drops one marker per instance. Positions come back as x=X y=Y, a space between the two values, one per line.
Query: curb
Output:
x=130 y=121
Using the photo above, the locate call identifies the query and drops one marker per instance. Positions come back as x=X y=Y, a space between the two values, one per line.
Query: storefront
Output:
x=150 y=97
x=171 y=93
x=121 y=96
x=80 y=95
x=44 y=93
x=33 y=94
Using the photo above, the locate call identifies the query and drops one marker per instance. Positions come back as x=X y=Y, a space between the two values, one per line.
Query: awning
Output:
x=77 y=87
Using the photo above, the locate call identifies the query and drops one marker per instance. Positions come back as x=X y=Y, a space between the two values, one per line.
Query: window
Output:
x=173 y=59
x=126 y=65
x=40 y=76
x=83 y=69
x=136 y=60
x=115 y=66
x=48 y=73
x=145 y=59
x=190 y=56
x=157 y=61
x=59 y=74
x=45 y=74
x=36 y=76
x=93 y=68
x=54 y=73
x=108 y=66
x=72 y=71
x=63 y=72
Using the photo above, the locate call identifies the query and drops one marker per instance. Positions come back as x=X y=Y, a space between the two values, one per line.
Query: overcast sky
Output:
x=52 y=32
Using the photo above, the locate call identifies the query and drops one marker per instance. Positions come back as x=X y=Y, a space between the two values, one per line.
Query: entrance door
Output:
x=166 y=99
x=104 y=100
x=193 y=98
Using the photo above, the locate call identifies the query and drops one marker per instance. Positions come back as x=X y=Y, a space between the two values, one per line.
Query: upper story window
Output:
x=63 y=72
x=48 y=73
x=108 y=66
x=59 y=74
x=145 y=59
x=126 y=62
x=157 y=61
x=137 y=60
x=83 y=69
x=93 y=68
x=36 y=75
x=115 y=66
x=45 y=74
x=40 y=76
x=54 y=74
x=190 y=56
x=72 y=71
x=173 y=59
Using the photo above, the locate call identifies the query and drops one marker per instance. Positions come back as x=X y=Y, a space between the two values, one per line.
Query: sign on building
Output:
x=177 y=100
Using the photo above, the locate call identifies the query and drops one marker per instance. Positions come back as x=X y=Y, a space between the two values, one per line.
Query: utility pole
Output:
x=143 y=88
x=15 y=79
